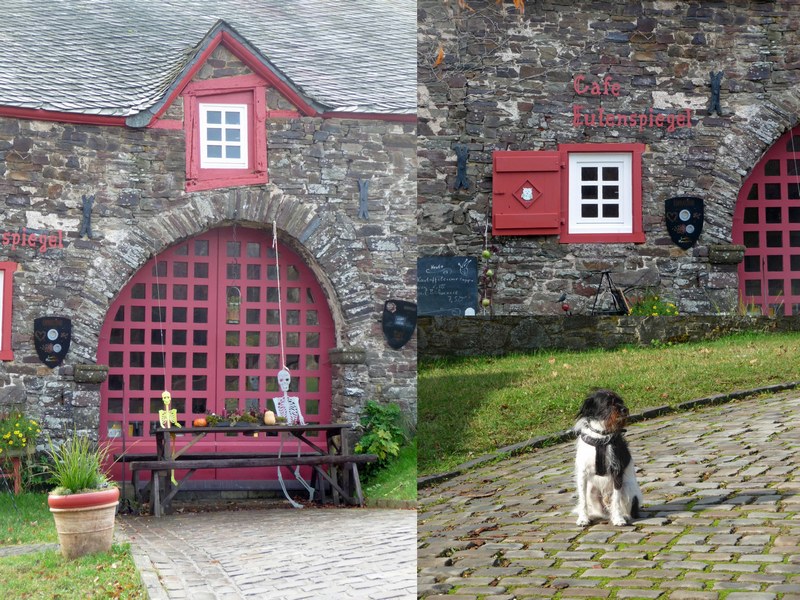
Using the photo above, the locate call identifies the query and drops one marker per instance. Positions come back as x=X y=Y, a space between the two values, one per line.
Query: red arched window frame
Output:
x=6 y=295
x=248 y=91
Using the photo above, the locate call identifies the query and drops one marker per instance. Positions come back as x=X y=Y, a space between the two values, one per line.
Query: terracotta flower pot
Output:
x=84 y=522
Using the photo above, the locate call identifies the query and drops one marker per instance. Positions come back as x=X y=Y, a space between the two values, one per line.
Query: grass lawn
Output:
x=398 y=481
x=470 y=406
x=25 y=519
x=48 y=574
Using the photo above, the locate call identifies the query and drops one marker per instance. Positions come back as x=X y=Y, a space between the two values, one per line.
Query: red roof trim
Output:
x=186 y=79
x=259 y=68
x=249 y=60
x=166 y=124
x=36 y=114
x=283 y=114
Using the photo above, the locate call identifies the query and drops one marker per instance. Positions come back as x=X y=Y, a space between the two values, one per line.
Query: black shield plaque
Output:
x=399 y=322
x=51 y=337
x=684 y=218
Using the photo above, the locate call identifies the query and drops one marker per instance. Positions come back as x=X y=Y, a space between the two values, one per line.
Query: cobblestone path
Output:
x=721 y=517
x=279 y=554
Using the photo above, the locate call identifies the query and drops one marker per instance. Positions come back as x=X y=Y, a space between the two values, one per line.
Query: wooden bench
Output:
x=194 y=462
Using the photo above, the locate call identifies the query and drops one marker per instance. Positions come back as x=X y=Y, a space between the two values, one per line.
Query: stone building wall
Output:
x=141 y=208
x=504 y=81
x=441 y=337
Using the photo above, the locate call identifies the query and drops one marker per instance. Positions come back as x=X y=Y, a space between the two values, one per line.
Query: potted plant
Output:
x=84 y=501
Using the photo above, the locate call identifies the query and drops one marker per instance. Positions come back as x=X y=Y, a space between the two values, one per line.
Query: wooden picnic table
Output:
x=342 y=476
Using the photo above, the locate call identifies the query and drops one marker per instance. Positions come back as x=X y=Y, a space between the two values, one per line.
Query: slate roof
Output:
x=120 y=57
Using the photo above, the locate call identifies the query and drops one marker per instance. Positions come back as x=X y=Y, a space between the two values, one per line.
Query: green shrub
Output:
x=651 y=305
x=383 y=433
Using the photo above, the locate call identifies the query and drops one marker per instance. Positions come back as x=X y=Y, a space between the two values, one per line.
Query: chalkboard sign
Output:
x=447 y=285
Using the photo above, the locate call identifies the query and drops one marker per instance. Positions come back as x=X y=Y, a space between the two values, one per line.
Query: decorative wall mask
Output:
x=51 y=338
x=399 y=321
x=684 y=218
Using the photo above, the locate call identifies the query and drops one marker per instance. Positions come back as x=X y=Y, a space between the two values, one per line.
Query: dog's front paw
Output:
x=619 y=521
x=582 y=521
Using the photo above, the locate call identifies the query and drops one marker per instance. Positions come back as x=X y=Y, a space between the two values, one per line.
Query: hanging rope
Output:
x=168 y=416
x=161 y=316
x=278 y=278
x=284 y=407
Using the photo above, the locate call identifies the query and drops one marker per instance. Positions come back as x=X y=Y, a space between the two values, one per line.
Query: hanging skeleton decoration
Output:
x=167 y=418
x=288 y=407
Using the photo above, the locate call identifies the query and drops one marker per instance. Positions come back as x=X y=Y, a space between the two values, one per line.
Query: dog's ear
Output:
x=589 y=408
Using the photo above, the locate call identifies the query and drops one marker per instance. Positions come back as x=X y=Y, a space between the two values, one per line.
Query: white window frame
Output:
x=207 y=162
x=621 y=224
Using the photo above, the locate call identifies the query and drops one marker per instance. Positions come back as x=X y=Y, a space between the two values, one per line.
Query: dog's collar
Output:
x=603 y=438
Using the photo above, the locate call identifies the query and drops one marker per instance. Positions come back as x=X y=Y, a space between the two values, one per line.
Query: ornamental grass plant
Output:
x=77 y=466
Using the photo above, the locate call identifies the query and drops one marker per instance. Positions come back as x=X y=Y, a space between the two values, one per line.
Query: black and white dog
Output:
x=604 y=470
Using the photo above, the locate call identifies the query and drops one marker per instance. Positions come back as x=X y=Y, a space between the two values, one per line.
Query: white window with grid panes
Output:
x=223 y=136
x=600 y=193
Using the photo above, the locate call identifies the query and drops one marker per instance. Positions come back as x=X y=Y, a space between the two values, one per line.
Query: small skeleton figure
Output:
x=288 y=407
x=86 y=224
x=716 y=85
x=363 y=208
x=167 y=418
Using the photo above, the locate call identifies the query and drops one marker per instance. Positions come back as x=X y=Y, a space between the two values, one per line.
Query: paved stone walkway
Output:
x=277 y=554
x=721 y=521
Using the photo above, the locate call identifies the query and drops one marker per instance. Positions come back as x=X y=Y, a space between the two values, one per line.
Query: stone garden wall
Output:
x=494 y=80
x=141 y=208
x=484 y=336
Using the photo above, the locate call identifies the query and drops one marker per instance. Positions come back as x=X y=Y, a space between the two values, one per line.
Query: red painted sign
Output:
x=26 y=239
x=601 y=117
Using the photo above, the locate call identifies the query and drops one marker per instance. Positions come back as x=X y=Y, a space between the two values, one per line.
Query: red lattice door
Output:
x=202 y=320
x=767 y=222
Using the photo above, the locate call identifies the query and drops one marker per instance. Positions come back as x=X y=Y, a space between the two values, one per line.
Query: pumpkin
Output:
x=201 y=422
x=269 y=418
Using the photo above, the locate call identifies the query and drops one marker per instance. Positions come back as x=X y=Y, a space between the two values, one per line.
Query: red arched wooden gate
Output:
x=202 y=320
x=767 y=222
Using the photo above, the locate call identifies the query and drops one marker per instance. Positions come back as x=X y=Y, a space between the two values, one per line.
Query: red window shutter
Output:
x=526 y=193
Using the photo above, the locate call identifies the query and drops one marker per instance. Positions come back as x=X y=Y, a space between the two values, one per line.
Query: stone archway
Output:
x=202 y=319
